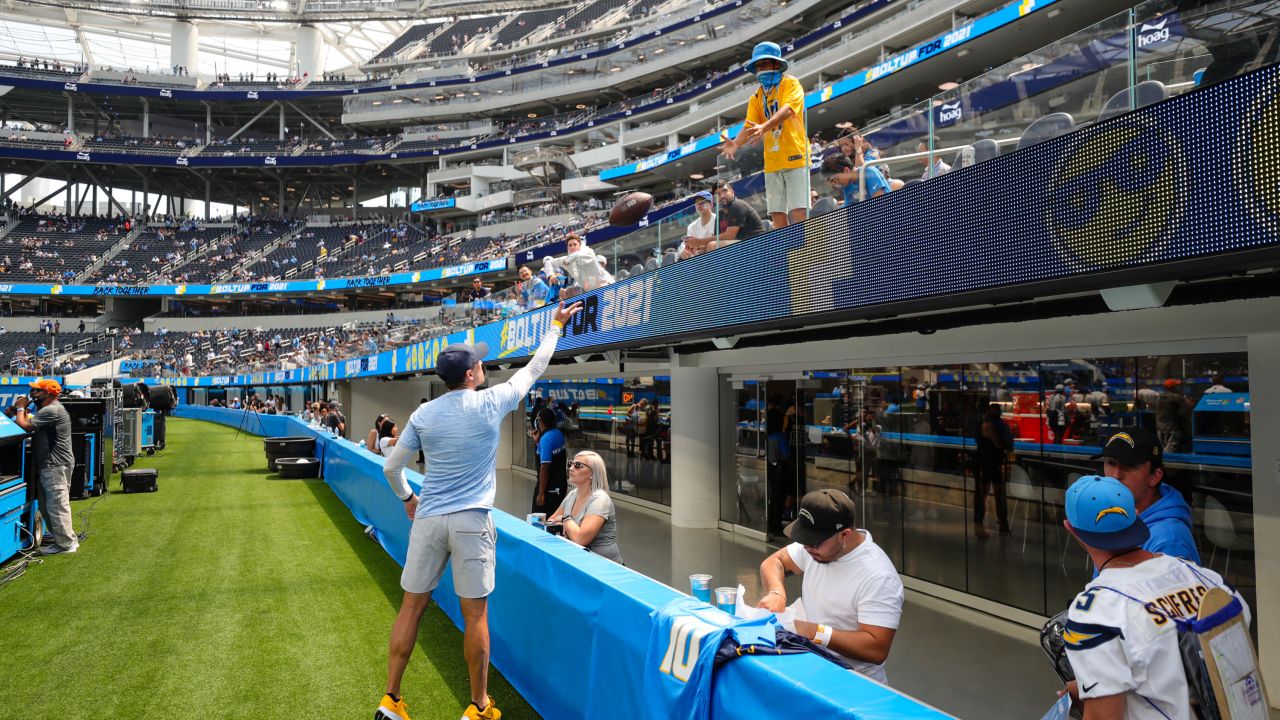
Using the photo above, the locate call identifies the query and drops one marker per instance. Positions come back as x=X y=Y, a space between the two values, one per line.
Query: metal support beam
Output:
x=244 y=127
x=311 y=120
x=71 y=113
x=282 y=125
x=22 y=183
x=42 y=200
x=208 y=124
x=146 y=118
x=207 y=188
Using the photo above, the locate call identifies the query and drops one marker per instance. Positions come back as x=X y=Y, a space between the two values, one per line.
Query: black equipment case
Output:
x=139 y=480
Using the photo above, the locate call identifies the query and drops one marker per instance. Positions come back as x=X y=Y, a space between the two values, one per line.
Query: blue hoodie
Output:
x=1169 y=520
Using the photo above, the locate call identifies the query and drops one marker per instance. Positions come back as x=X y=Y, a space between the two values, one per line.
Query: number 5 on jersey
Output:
x=682 y=650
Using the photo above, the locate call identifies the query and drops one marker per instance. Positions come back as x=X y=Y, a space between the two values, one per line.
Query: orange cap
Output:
x=1172 y=383
x=50 y=386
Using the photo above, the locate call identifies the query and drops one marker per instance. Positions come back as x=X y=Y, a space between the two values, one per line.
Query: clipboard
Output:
x=1231 y=662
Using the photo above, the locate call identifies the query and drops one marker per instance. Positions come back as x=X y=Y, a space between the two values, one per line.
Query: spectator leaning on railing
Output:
x=841 y=172
x=581 y=264
x=775 y=115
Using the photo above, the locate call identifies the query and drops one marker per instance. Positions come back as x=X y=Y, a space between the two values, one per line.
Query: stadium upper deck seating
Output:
x=234 y=251
x=413 y=34
x=55 y=248
x=456 y=36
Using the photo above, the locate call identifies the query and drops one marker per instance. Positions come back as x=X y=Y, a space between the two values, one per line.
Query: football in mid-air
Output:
x=630 y=208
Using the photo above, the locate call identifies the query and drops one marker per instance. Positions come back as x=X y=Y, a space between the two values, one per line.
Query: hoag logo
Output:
x=1117 y=192
x=166 y=93
x=84 y=156
x=269 y=160
x=183 y=161
x=1256 y=173
x=949 y=113
x=71 y=87
x=1152 y=33
x=252 y=95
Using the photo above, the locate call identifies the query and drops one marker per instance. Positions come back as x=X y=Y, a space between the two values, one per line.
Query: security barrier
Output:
x=552 y=595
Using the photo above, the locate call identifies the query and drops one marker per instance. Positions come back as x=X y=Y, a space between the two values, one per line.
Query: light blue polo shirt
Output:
x=459 y=433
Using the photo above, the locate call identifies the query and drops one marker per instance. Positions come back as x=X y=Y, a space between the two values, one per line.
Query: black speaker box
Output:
x=163 y=398
x=139 y=480
x=87 y=414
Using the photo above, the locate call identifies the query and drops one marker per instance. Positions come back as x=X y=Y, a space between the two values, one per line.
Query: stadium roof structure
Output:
x=236 y=35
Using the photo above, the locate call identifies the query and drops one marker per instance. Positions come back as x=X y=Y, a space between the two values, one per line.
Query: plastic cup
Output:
x=700 y=586
x=536 y=519
x=727 y=599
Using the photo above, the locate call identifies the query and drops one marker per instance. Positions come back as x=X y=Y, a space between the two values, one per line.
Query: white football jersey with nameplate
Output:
x=1128 y=645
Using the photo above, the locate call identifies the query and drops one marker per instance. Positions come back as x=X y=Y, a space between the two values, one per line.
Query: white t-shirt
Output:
x=862 y=586
x=700 y=230
x=1115 y=645
x=384 y=445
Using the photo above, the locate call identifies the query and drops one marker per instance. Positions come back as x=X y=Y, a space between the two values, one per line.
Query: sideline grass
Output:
x=230 y=593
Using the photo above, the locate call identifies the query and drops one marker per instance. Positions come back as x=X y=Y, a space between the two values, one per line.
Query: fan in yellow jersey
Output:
x=775 y=116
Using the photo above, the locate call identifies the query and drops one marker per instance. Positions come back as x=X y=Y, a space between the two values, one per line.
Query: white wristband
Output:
x=823 y=637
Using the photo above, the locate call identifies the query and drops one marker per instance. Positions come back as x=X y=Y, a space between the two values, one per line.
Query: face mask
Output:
x=769 y=78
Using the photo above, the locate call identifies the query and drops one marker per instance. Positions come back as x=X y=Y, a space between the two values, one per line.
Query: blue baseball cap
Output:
x=703 y=195
x=455 y=360
x=767 y=51
x=1101 y=510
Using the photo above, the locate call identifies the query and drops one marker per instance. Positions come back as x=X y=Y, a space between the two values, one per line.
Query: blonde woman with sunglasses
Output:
x=587 y=513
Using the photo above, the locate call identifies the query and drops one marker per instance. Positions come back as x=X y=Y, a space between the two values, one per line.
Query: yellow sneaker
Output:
x=391 y=709
x=490 y=712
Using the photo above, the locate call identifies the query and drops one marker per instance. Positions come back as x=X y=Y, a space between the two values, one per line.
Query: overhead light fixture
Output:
x=533 y=115
x=614 y=69
x=659 y=51
x=376 y=103
x=697 y=176
x=948 y=86
x=580 y=106
x=1055 y=13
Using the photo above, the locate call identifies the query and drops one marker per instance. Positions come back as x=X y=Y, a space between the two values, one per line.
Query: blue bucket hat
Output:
x=1101 y=511
x=767 y=51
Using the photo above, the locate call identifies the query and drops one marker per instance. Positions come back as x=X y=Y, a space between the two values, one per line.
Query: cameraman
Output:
x=51 y=425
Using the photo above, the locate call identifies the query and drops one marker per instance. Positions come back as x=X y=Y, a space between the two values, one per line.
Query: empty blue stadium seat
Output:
x=985 y=149
x=823 y=206
x=1145 y=93
x=1047 y=128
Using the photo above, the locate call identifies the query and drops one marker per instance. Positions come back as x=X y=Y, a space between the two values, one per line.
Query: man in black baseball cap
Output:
x=852 y=593
x=1134 y=457
x=456 y=360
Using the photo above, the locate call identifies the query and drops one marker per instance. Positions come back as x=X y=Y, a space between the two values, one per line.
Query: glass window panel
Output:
x=932 y=409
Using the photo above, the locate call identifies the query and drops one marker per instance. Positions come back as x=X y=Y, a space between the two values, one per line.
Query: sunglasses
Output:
x=576 y=465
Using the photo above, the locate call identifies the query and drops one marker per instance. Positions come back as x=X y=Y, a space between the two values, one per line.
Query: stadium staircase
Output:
x=191 y=257
x=253 y=259
x=10 y=225
x=126 y=241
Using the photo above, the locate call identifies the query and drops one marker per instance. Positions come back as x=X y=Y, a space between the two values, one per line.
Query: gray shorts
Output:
x=468 y=536
x=787 y=190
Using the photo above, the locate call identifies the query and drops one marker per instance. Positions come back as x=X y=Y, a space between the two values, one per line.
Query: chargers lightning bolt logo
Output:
x=1117 y=193
x=1257 y=174
x=1114 y=510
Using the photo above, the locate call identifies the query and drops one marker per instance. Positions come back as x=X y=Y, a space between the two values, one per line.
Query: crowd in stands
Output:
x=224 y=352
x=50 y=65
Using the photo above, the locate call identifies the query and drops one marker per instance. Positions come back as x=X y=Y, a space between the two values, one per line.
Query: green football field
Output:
x=230 y=593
